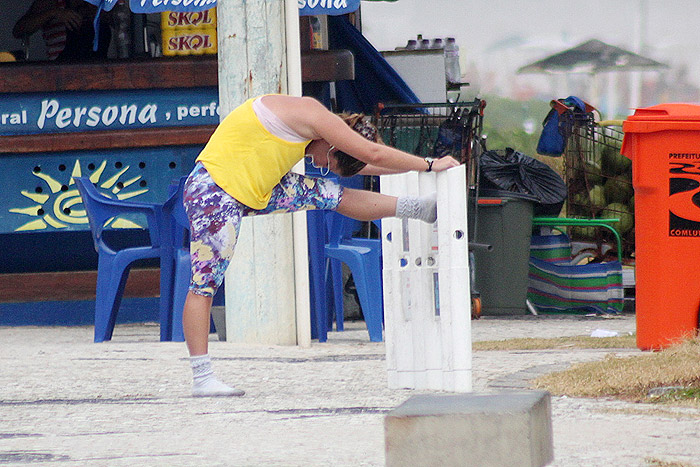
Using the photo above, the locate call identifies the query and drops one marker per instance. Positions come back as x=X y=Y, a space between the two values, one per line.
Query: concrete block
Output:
x=481 y=430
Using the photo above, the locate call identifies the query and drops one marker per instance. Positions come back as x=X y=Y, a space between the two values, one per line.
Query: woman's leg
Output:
x=195 y=323
x=297 y=192
x=214 y=220
x=366 y=205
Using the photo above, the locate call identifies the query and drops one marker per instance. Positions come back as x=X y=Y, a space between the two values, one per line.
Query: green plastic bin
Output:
x=500 y=275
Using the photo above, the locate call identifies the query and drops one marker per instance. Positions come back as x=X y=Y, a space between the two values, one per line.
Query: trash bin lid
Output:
x=672 y=116
x=663 y=117
x=679 y=111
x=491 y=193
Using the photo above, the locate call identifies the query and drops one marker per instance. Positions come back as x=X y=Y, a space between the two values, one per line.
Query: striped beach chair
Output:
x=557 y=285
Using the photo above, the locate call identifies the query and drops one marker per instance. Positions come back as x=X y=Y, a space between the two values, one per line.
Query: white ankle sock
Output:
x=204 y=382
x=423 y=208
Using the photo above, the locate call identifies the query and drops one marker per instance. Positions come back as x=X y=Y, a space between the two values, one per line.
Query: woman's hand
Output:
x=444 y=163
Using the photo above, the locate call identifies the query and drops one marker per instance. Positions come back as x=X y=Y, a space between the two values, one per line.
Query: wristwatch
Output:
x=430 y=161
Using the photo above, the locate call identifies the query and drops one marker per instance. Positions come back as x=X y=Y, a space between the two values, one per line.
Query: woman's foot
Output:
x=205 y=384
x=423 y=208
x=212 y=387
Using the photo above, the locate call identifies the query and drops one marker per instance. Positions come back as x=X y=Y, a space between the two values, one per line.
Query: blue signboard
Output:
x=156 y=6
x=39 y=194
x=306 y=7
x=327 y=7
x=64 y=112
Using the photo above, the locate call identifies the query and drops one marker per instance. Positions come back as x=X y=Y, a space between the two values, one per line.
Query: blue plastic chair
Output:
x=364 y=259
x=325 y=273
x=181 y=256
x=320 y=288
x=317 y=235
x=334 y=271
x=114 y=265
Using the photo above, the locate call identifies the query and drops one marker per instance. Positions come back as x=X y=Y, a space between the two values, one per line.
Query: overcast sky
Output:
x=537 y=28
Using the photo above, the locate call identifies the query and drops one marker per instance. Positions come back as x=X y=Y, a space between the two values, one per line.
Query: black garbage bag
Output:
x=452 y=135
x=512 y=171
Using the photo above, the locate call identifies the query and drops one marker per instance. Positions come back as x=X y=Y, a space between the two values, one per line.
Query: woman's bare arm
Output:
x=312 y=120
x=375 y=170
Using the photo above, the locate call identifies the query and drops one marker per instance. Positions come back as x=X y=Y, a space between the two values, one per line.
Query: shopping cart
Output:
x=439 y=130
x=599 y=182
x=435 y=130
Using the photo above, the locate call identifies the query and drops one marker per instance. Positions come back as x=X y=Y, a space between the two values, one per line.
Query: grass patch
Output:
x=573 y=342
x=655 y=411
x=631 y=378
x=683 y=396
x=654 y=462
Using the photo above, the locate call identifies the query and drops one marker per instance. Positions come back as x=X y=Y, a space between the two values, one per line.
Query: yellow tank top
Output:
x=246 y=160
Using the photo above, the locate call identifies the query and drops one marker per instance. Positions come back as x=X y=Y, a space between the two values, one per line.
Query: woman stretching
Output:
x=244 y=170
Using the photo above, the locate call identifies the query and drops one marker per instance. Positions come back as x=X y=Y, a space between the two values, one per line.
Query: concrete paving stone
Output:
x=65 y=400
x=477 y=430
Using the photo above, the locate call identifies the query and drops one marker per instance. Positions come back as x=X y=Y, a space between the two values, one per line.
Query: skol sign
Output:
x=189 y=33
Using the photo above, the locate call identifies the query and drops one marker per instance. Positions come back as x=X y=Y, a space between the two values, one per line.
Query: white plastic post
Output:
x=427 y=299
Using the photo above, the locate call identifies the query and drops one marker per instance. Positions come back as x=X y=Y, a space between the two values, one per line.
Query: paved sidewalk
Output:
x=67 y=401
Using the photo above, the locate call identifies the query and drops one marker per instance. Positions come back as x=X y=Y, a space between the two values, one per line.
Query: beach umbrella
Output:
x=592 y=56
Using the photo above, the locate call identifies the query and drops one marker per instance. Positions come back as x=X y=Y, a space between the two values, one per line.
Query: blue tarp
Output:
x=375 y=80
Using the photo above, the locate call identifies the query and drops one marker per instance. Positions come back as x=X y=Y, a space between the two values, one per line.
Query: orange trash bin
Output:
x=663 y=143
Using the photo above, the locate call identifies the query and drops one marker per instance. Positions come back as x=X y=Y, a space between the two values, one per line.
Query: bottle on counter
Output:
x=123 y=29
x=453 y=73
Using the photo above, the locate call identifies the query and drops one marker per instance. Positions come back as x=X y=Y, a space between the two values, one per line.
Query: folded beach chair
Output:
x=556 y=284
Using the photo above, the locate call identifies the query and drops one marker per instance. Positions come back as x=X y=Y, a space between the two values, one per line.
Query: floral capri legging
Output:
x=215 y=219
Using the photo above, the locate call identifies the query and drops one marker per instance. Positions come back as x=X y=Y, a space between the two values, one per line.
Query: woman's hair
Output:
x=348 y=165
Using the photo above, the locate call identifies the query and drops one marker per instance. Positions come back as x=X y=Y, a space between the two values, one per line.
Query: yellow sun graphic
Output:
x=58 y=209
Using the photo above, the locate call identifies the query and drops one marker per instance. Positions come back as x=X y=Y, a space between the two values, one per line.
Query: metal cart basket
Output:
x=439 y=130
x=599 y=180
x=435 y=130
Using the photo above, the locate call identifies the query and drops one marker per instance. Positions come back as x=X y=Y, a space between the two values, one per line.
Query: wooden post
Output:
x=260 y=282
